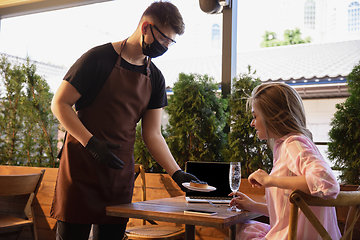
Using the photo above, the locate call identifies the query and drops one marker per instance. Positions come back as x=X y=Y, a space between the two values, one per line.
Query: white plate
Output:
x=208 y=189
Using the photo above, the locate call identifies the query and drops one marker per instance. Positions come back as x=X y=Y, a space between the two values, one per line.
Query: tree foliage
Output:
x=243 y=144
x=27 y=126
x=196 y=120
x=344 y=145
x=291 y=37
x=270 y=40
x=197 y=117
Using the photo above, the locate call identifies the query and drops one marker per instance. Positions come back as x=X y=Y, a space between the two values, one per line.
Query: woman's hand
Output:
x=260 y=178
x=242 y=201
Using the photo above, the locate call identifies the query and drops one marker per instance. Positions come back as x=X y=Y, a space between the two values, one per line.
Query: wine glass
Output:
x=234 y=180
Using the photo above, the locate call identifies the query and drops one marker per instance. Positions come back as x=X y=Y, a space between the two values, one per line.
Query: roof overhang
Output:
x=313 y=91
x=14 y=8
x=326 y=87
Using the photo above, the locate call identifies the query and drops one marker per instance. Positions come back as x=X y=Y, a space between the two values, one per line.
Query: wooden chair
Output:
x=153 y=231
x=302 y=200
x=26 y=185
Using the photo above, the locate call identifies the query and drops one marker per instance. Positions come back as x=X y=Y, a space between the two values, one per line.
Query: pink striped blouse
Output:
x=296 y=155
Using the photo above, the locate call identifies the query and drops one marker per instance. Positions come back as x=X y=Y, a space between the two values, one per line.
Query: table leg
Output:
x=189 y=232
x=232 y=232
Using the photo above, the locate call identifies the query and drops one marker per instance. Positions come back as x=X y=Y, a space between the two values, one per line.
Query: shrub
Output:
x=344 y=145
x=196 y=120
x=28 y=133
x=243 y=144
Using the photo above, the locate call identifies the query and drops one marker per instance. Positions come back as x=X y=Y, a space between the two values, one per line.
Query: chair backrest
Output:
x=14 y=185
x=140 y=171
x=302 y=200
x=352 y=217
x=11 y=185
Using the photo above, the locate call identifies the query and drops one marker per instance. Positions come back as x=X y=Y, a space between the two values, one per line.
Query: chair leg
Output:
x=34 y=232
x=33 y=229
x=294 y=209
x=350 y=222
x=18 y=234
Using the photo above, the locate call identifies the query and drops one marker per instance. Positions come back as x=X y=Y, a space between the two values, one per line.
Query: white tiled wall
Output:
x=319 y=113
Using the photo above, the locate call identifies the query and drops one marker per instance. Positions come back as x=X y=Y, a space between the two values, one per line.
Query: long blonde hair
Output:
x=280 y=108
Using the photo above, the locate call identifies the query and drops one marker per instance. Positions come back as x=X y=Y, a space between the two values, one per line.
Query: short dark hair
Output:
x=167 y=14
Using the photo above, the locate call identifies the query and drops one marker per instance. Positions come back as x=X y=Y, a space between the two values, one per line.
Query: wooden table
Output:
x=172 y=210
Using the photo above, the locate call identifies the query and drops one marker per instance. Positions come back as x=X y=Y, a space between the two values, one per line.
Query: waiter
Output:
x=113 y=86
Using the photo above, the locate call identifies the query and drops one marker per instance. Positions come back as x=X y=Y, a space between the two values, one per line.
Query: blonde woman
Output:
x=279 y=118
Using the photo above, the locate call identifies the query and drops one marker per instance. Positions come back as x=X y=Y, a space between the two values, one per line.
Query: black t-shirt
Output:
x=90 y=72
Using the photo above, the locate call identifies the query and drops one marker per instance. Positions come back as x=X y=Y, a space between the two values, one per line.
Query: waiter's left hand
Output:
x=180 y=177
x=102 y=154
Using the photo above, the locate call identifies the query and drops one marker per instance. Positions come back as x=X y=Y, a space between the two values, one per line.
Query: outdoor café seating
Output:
x=152 y=231
x=302 y=200
x=17 y=213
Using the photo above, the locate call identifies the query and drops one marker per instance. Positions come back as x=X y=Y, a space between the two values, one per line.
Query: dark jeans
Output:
x=72 y=231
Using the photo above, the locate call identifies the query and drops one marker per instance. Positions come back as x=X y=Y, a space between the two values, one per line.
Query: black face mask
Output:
x=154 y=49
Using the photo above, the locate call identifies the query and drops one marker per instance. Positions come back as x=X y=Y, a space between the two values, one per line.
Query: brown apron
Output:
x=84 y=187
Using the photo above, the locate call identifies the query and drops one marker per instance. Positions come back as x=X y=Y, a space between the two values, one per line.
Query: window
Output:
x=309 y=14
x=354 y=17
x=333 y=20
x=215 y=36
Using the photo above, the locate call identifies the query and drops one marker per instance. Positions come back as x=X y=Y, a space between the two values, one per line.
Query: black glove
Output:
x=180 y=177
x=102 y=154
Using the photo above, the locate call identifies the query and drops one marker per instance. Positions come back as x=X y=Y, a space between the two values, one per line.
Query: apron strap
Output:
x=148 y=66
x=147 y=60
x=123 y=43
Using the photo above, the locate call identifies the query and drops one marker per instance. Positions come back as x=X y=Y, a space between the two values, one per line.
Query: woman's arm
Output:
x=244 y=202
x=304 y=159
x=260 y=178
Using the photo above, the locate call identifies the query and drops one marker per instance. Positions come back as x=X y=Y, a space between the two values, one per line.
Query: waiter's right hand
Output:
x=101 y=152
